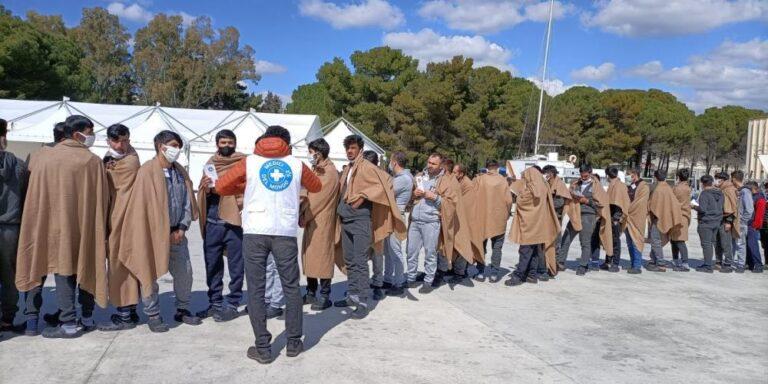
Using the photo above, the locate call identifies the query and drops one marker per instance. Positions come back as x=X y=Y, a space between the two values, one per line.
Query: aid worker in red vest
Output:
x=271 y=180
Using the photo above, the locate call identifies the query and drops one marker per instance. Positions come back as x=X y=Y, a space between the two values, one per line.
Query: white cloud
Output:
x=672 y=17
x=754 y=51
x=264 y=67
x=379 y=13
x=133 y=12
x=487 y=16
x=721 y=78
x=603 y=72
x=430 y=47
x=553 y=87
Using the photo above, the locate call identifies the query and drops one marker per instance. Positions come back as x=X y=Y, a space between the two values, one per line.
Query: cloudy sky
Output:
x=707 y=52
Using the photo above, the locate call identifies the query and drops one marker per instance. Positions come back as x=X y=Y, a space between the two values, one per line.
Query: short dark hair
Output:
x=3 y=127
x=438 y=155
x=462 y=168
x=585 y=168
x=371 y=156
x=752 y=184
x=449 y=163
x=596 y=176
x=116 y=130
x=58 y=132
x=612 y=172
x=707 y=180
x=165 y=137
x=354 y=139
x=76 y=123
x=277 y=131
x=399 y=158
x=683 y=174
x=551 y=169
x=721 y=176
x=737 y=175
x=660 y=175
x=225 y=134
x=537 y=168
x=491 y=163
x=320 y=146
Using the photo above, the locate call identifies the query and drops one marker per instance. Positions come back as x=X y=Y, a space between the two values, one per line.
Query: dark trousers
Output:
x=588 y=224
x=219 y=237
x=679 y=251
x=753 y=249
x=724 y=246
x=529 y=260
x=616 y=231
x=460 y=266
x=708 y=238
x=497 y=242
x=65 y=297
x=325 y=286
x=285 y=251
x=764 y=241
x=355 y=242
x=9 y=296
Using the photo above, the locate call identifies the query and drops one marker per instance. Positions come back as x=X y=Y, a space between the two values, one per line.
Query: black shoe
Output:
x=58 y=332
x=386 y=285
x=543 y=277
x=273 y=312
x=652 y=267
x=413 y=284
x=531 y=279
x=294 y=347
x=214 y=312
x=605 y=266
x=322 y=303
x=681 y=268
x=739 y=270
x=726 y=269
x=704 y=269
x=437 y=282
x=378 y=294
x=420 y=276
x=614 y=268
x=480 y=277
x=426 y=289
x=560 y=267
x=31 y=328
x=309 y=298
x=581 y=271
x=347 y=302
x=263 y=356
x=52 y=319
x=757 y=270
x=395 y=291
x=117 y=323
x=495 y=277
x=513 y=281
x=6 y=325
x=227 y=314
x=157 y=325
x=184 y=316
x=634 y=271
x=594 y=267
x=360 y=312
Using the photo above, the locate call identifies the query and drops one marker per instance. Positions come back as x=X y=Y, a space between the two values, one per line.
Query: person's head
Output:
x=707 y=181
x=549 y=171
x=353 y=145
x=58 y=132
x=434 y=163
x=536 y=167
x=683 y=175
x=753 y=186
x=226 y=141
x=318 y=150
x=612 y=172
x=660 y=175
x=397 y=162
x=460 y=171
x=720 y=177
x=585 y=172
x=448 y=165
x=3 y=134
x=634 y=174
x=118 y=138
x=492 y=165
x=279 y=132
x=168 y=144
x=79 y=128
x=737 y=177
x=371 y=156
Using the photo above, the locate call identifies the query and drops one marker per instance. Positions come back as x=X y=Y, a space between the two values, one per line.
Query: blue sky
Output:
x=707 y=52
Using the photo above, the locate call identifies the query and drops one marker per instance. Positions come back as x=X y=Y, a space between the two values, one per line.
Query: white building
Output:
x=757 y=149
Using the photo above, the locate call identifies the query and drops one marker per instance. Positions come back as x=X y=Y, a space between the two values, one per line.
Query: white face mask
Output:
x=313 y=160
x=171 y=153
x=88 y=140
x=115 y=154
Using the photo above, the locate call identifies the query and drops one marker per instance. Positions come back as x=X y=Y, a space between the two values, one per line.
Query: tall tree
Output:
x=271 y=104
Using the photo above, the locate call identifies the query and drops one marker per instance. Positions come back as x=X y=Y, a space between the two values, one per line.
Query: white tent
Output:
x=335 y=132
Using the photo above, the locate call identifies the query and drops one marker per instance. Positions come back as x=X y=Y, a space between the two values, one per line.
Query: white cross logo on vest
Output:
x=275 y=175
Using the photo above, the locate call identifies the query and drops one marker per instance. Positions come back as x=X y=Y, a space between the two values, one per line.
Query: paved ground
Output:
x=602 y=328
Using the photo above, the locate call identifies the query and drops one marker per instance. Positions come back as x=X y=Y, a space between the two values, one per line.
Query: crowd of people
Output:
x=108 y=228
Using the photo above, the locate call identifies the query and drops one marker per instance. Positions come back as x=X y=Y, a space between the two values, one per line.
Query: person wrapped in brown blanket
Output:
x=664 y=215
x=467 y=205
x=64 y=231
x=534 y=227
x=679 y=235
x=561 y=198
x=729 y=230
x=493 y=203
x=618 y=195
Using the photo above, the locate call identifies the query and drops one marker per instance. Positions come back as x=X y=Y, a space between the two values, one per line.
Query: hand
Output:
x=583 y=200
x=177 y=236
x=418 y=192
x=302 y=223
x=727 y=227
x=430 y=195
x=205 y=183
x=357 y=203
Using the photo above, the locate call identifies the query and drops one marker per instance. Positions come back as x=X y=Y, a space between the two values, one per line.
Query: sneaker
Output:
x=682 y=268
x=513 y=281
x=157 y=325
x=227 y=314
x=581 y=271
x=704 y=269
x=309 y=298
x=420 y=276
x=263 y=356
x=360 y=312
x=386 y=285
x=378 y=294
x=346 y=302
x=543 y=277
x=480 y=277
x=495 y=277
x=437 y=282
x=457 y=279
x=655 y=267
x=6 y=325
x=605 y=266
x=395 y=291
x=273 y=312
x=634 y=271
x=117 y=323
x=726 y=269
x=87 y=324
x=31 y=327
x=52 y=319
x=739 y=270
x=426 y=289
x=531 y=279
x=594 y=267
x=63 y=331
x=322 y=303
x=413 y=284
x=184 y=316
x=294 y=347
x=214 y=312
x=757 y=270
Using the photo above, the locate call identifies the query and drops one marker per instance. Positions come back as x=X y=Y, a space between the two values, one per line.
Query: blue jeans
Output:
x=219 y=237
x=635 y=256
x=753 y=248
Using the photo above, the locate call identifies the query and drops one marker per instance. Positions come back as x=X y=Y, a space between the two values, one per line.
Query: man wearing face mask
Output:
x=221 y=228
x=729 y=228
x=122 y=164
x=64 y=232
x=12 y=188
x=160 y=210
x=394 y=259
